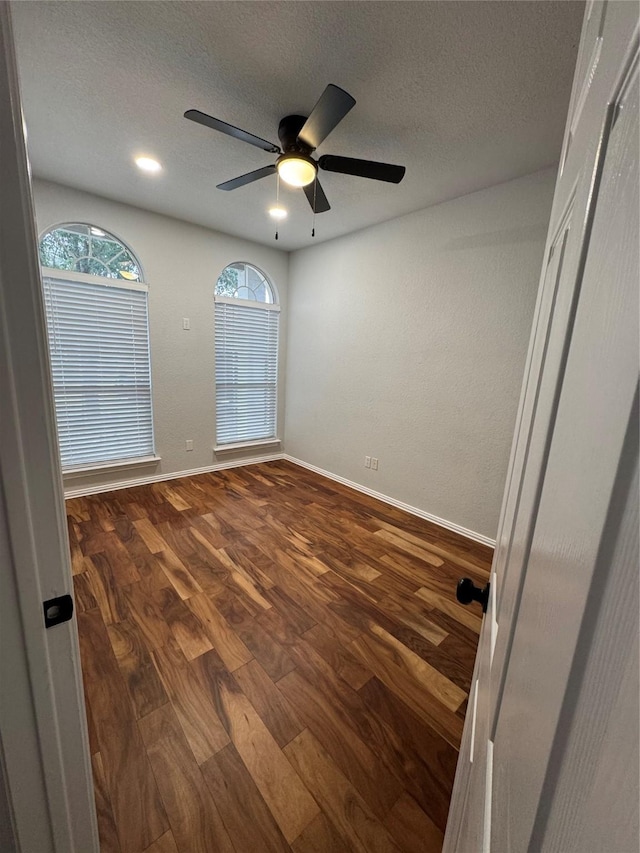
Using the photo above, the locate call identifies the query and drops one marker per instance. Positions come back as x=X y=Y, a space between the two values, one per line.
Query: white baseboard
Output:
x=441 y=522
x=81 y=491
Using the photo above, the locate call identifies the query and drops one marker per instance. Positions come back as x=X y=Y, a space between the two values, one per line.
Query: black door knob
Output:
x=467 y=591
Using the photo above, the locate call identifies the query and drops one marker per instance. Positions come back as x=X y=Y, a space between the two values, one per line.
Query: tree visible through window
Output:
x=246 y=330
x=98 y=331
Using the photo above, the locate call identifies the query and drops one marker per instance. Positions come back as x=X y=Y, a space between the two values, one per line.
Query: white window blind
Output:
x=246 y=371
x=99 y=348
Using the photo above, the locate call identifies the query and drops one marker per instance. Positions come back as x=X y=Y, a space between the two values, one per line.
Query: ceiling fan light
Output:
x=296 y=170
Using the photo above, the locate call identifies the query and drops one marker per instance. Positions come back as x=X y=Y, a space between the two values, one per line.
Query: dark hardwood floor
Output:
x=272 y=662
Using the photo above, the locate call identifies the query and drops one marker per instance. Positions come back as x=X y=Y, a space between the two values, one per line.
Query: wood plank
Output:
x=210 y=528
x=165 y=844
x=236 y=797
x=123 y=568
x=191 y=701
x=292 y=612
x=287 y=798
x=320 y=837
x=226 y=642
x=272 y=656
x=346 y=809
x=150 y=535
x=378 y=658
x=412 y=829
x=194 y=818
x=144 y=613
x=338 y=656
x=329 y=722
x=451 y=555
x=416 y=621
x=83 y=596
x=106 y=592
x=143 y=559
x=94 y=746
x=429 y=760
x=187 y=629
x=107 y=831
x=174 y=498
x=451 y=608
x=177 y=574
x=430 y=678
x=243 y=582
x=274 y=710
x=131 y=787
x=143 y=685
x=410 y=546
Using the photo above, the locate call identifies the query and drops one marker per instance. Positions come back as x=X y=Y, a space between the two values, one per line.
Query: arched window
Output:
x=90 y=250
x=97 y=321
x=244 y=281
x=246 y=332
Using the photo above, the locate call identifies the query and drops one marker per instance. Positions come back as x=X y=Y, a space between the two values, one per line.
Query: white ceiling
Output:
x=464 y=94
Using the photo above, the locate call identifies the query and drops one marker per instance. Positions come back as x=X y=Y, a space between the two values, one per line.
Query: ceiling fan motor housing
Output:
x=288 y=131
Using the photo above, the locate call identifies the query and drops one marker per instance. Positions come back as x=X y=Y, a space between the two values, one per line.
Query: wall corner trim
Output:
x=412 y=510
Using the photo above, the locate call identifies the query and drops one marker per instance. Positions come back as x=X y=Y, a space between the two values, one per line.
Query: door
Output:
x=564 y=547
x=46 y=795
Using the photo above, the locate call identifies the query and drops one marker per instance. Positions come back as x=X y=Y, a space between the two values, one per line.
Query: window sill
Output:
x=242 y=445
x=70 y=473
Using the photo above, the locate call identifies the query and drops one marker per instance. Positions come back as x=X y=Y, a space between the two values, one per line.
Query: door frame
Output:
x=45 y=770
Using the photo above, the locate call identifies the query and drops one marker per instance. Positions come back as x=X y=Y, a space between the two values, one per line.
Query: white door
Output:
x=561 y=628
x=46 y=795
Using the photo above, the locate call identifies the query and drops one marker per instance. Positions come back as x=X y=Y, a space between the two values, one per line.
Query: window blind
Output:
x=246 y=371
x=99 y=349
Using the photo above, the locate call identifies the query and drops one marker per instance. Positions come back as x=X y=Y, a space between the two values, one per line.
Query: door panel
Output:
x=474 y=818
x=559 y=291
x=593 y=810
x=589 y=54
x=565 y=562
x=545 y=636
x=44 y=733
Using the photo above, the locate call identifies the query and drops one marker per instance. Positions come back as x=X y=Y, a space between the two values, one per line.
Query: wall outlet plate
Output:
x=367 y=462
x=374 y=463
x=189 y=444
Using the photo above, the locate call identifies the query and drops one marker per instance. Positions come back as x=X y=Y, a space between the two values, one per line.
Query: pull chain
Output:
x=315 y=189
x=277 y=197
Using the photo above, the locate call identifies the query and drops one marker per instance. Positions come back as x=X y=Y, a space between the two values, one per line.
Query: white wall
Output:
x=181 y=263
x=407 y=342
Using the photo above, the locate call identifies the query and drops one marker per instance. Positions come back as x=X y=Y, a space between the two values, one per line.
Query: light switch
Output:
x=186 y=323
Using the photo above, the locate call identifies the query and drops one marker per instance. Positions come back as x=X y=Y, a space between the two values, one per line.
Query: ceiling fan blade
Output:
x=332 y=107
x=230 y=130
x=315 y=193
x=362 y=168
x=249 y=178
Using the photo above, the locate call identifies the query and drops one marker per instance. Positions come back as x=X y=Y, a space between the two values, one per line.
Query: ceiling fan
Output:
x=299 y=137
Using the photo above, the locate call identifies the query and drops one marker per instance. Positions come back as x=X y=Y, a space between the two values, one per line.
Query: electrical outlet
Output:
x=367 y=462
x=186 y=324
x=189 y=444
x=374 y=463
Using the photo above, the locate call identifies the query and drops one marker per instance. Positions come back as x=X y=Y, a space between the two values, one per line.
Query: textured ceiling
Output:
x=464 y=94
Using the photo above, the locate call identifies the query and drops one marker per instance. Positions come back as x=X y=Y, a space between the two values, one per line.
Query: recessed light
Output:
x=277 y=212
x=148 y=164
